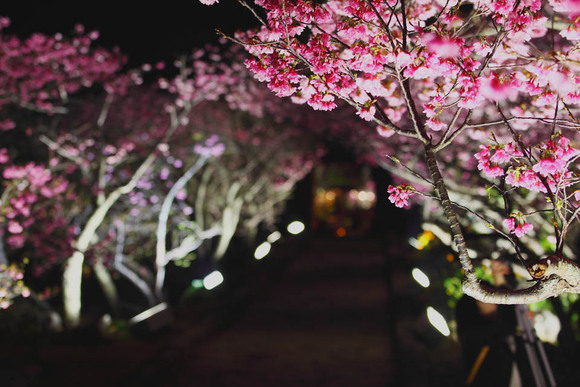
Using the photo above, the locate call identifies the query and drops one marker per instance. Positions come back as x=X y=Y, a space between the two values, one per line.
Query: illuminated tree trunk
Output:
x=73 y=269
x=161 y=248
x=230 y=220
x=107 y=284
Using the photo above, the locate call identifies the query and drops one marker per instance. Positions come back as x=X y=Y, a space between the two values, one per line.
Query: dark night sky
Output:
x=144 y=32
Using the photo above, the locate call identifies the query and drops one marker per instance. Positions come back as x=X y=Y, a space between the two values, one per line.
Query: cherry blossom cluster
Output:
x=400 y=195
x=211 y=147
x=490 y=158
x=203 y=77
x=453 y=70
x=40 y=72
x=516 y=225
x=11 y=285
x=31 y=208
x=550 y=170
x=354 y=54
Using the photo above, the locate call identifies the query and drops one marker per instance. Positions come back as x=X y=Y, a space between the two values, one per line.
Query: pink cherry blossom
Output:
x=435 y=124
x=4 y=156
x=519 y=229
x=367 y=113
x=498 y=87
x=549 y=166
x=444 y=47
x=500 y=156
x=485 y=165
x=14 y=227
x=522 y=229
x=525 y=178
x=400 y=195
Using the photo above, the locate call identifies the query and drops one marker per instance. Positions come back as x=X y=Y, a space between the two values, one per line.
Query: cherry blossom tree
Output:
x=111 y=165
x=132 y=136
x=264 y=159
x=39 y=75
x=491 y=87
x=93 y=148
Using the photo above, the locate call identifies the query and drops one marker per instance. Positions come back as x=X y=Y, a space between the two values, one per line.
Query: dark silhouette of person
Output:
x=488 y=337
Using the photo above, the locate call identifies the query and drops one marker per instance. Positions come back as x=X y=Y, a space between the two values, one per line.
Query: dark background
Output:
x=146 y=33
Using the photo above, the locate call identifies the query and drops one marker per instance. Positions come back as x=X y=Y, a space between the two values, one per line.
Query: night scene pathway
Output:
x=323 y=324
x=344 y=312
x=319 y=312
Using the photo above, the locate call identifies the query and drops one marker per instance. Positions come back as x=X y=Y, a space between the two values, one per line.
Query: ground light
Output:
x=275 y=236
x=296 y=227
x=422 y=241
x=438 y=321
x=262 y=250
x=420 y=277
x=148 y=313
x=213 y=279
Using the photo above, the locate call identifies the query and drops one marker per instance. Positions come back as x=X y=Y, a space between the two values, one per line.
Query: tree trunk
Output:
x=230 y=219
x=73 y=268
x=161 y=233
x=108 y=285
x=450 y=214
x=71 y=288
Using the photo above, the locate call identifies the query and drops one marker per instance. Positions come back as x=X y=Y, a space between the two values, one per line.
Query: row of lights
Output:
x=435 y=318
x=216 y=278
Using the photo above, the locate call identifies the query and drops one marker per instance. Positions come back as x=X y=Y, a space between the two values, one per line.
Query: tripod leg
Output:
x=529 y=337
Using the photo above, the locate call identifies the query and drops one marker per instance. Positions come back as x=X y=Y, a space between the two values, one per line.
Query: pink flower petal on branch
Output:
x=367 y=113
x=569 y=6
x=435 y=124
x=549 y=166
x=442 y=46
x=399 y=196
x=498 y=88
x=4 y=156
x=523 y=229
x=403 y=59
x=509 y=223
x=14 y=227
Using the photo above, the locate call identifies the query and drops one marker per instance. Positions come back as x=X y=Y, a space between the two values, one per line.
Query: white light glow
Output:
x=296 y=227
x=213 y=279
x=547 y=326
x=262 y=250
x=148 y=313
x=438 y=321
x=421 y=277
x=353 y=194
x=415 y=243
x=274 y=237
x=330 y=196
x=362 y=196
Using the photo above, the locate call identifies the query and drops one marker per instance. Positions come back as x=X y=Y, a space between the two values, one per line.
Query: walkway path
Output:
x=323 y=324
x=321 y=312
